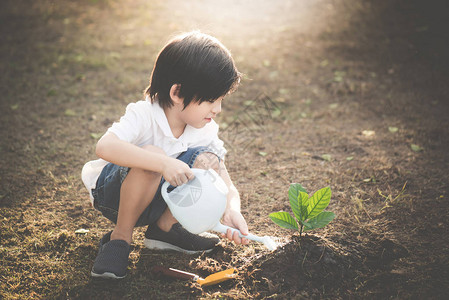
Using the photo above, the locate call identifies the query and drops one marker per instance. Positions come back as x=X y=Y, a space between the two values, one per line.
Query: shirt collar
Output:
x=161 y=118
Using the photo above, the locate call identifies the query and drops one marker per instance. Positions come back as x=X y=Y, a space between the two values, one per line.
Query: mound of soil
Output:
x=310 y=266
x=305 y=266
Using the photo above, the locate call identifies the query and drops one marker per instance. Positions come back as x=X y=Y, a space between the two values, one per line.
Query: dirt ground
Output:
x=349 y=94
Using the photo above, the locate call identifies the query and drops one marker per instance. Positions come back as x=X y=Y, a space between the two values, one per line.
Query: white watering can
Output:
x=199 y=204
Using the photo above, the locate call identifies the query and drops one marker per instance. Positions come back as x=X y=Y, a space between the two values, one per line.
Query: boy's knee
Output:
x=207 y=160
x=144 y=174
x=149 y=174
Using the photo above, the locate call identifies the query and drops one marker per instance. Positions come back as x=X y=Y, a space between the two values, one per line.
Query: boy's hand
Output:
x=176 y=172
x=235 y=219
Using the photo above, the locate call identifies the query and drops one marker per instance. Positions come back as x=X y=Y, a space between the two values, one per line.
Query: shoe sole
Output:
x=159 y=245
x=108 y=275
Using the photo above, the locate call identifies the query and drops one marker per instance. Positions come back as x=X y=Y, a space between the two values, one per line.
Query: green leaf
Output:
x=70 y=112
x=307 y=226
x=284 y=91
x=51 y=92
x=368 y=133
x=319 y=221
x=319 y=201
x=276 y=113
x=284 y=219
x=324 y=63
x=393 y=129
x=416 y=148
x=303 y=202
x=333 y=105
x=326 y=157
x=294 y=190
x=339 y=76
x=96 y=135
x=293 y=197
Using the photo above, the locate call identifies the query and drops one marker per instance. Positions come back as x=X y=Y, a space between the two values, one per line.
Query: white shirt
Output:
x=145 y=123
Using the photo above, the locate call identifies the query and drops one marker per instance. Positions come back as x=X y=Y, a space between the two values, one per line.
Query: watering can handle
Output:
x=223 y=228
x=164 y=192
x=166 y=184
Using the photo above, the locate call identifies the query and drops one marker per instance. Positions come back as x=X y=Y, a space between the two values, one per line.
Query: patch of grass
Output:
x=391 y=200
x=359 y=207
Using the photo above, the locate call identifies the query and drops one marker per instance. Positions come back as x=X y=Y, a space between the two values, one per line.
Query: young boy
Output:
x=159 y=140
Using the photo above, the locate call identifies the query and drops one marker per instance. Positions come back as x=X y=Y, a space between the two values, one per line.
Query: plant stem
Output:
x=300 y=230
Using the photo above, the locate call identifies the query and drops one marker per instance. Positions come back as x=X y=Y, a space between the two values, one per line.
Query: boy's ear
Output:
x=174 y=94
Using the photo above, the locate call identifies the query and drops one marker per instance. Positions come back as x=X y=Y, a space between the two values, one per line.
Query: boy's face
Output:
x=198 y=115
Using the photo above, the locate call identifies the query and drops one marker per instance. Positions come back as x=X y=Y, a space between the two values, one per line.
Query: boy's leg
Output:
x=136 y=193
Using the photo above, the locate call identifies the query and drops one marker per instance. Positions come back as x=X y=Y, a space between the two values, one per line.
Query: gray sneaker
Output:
x=179 y=239
x=112 y=258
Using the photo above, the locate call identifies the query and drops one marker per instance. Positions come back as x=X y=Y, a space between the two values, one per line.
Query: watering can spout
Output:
x=221 y=228
x=266 y=240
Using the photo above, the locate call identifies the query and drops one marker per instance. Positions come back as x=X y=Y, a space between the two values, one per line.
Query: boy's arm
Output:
x=122 y=153
x=232 y=215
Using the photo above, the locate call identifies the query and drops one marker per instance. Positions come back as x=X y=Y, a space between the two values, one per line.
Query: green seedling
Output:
x=309 y=211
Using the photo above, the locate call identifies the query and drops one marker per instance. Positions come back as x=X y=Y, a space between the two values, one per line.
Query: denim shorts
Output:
x=107 y=191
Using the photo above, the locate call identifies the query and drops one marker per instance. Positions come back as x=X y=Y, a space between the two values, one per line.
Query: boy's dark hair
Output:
x=199 y=63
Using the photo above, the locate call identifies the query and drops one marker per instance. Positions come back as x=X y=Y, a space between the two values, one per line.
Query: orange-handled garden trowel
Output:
x=209 y=280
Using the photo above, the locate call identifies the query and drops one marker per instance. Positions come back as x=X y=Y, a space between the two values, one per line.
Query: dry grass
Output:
x=68 y=70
